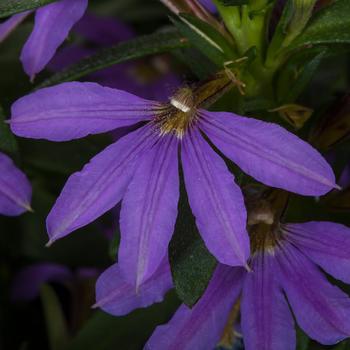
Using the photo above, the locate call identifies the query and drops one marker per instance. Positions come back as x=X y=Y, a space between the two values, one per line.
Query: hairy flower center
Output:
x=177 y=116
x=265 y=237
x=265 y=208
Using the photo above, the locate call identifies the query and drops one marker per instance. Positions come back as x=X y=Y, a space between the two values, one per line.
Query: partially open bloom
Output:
x=285 y=267
x=52 y=25
x=142 y=167
x=26 y=284
x=15 y=189
x=28 y=281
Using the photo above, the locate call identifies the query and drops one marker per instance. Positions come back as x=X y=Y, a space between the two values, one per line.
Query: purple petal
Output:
x=321 y=309
x=8 y=26
x=202 y=326
x=28 y=281
x=344 y=180
x=104 y=31
x=325 y=243
x=216 y=201
x=149 y=211
x=269 y=153
x=117 y=297
x=67 y=56
x=267 y=322
x=73 y=110
x=52 y=25
x=99 y=186
x=15 y=189
x=209 y=5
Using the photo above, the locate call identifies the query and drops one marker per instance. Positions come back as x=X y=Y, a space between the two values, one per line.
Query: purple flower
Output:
x=52 y=25
x=15 y=189
x=142 y=168
x=27 y=282
x=285 y=268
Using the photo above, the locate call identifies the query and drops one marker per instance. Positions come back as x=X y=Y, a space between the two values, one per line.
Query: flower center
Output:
x=177 y=116
x=264 y=227
x=180 y=113
x=265 y=237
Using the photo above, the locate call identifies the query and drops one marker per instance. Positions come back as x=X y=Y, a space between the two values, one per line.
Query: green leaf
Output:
x=55 y=321
x=136 y=48
x=303 y=340
x=8 y=142
x=205 y=38
x=329 y=26
x=298 y=73
x=10 y=7
x=191 y=263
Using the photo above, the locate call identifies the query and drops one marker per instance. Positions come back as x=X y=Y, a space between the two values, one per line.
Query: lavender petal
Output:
x=117 y=297
x=321 y=309
x=202 y=326
x=74 y=110
x=52 y=25
x=267 y=322
x=15 y=189
x=216 y=201
x=9 y=25
x=98 y=187
x=327 y=244
x=269 y=153
x=149 y=211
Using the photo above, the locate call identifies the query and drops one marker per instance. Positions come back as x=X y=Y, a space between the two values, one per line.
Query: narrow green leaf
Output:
x=8 y=142
x=55 y=321
x=136 y=48
x=191 y=263
x=11 y=7
x=205 y=38
x=329 y=26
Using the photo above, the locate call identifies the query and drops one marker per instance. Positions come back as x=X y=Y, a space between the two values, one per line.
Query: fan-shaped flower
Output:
x=284 y=267
x=142 y=167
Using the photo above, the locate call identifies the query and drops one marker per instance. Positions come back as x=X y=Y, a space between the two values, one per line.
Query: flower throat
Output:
x=181 y=112
x=264 y=227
